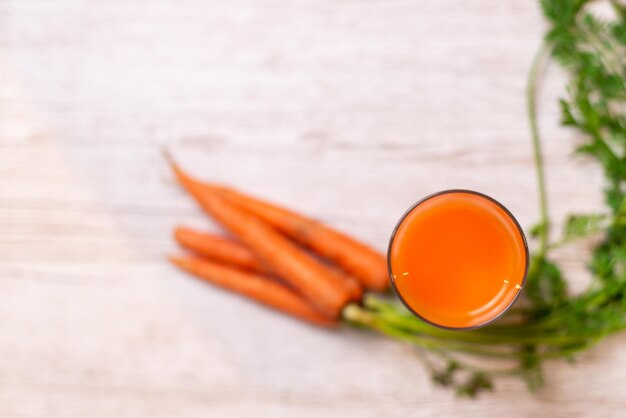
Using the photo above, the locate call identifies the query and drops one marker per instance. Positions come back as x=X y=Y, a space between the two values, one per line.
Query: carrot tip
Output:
x=167 y=155
x=178 y=231
x=177 y=260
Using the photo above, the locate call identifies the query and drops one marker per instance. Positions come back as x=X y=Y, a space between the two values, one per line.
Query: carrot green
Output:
x=550 y=323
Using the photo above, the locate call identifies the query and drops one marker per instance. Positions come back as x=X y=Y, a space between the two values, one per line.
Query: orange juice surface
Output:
x=458 y=259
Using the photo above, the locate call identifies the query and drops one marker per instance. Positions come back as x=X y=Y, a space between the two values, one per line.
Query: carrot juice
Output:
x=458 y=259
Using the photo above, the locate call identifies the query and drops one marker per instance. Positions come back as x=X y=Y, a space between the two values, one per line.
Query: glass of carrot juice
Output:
x=458 y=259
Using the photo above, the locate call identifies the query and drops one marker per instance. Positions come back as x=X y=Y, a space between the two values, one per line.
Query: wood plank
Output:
x=349 y=111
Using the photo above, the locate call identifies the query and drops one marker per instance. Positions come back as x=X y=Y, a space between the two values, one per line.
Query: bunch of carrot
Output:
x=298 y=266
x=277 y=257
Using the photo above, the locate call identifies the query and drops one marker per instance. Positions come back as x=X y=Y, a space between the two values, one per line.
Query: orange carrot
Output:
x=361 y=261
x=326 y=292
x=366 y=264
x=232 y=252
x=219 y=249
x=254 y=286
x=352 y=284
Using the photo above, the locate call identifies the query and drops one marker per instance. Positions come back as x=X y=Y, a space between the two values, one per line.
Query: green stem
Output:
x=362 y=317
x=531 y=102
x=473 y=337
x=385 y=312
x=357 y=315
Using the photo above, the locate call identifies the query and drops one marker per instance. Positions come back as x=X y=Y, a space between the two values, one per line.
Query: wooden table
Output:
x=349 y=110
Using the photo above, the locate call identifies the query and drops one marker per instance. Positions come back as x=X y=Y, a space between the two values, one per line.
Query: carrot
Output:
x=231 y=252
x=254 y=286
x=220 y=249
x=326 y=292
x=361 y=261
x=366 y=264
x=352 y=284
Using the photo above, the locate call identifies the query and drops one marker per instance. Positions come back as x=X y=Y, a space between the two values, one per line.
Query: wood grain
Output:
x=347 y=110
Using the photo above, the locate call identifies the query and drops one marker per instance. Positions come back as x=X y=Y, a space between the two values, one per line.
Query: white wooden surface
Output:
x=350 y=110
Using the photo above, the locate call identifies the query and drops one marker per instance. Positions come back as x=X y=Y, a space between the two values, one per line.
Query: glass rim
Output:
x=431 y=196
